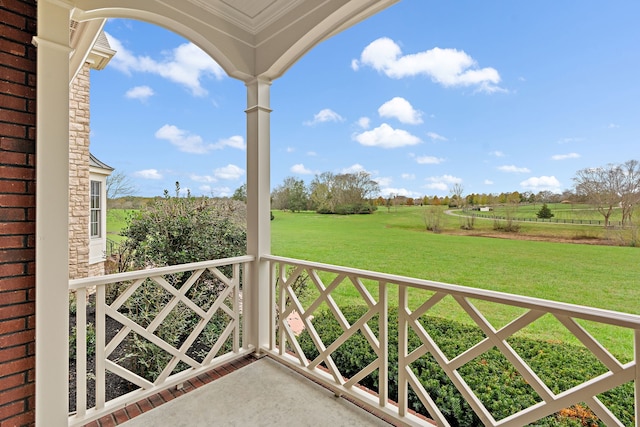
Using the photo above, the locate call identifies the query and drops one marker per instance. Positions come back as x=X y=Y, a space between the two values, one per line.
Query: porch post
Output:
x=258 y=212
x=52 y=214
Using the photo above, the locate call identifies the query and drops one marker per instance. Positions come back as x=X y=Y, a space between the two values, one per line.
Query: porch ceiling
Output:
x=248 y=38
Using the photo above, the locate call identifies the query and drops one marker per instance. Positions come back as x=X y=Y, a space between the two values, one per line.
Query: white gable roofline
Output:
x=97 y=164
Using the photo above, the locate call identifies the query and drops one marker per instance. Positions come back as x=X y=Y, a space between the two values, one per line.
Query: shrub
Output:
x=171 y=231
x=498 y=385
x=361 y=208
x=178 y=230
x=544 y=212
x=433 y=218
x=91 y=341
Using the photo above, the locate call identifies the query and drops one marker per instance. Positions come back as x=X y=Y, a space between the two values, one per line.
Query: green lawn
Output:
x=395 y=242
x=117 y=221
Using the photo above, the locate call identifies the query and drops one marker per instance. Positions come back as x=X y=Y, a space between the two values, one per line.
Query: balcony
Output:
x=217 y=296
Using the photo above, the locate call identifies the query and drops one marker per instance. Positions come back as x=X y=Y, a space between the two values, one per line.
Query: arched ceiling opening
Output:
x=248 y=38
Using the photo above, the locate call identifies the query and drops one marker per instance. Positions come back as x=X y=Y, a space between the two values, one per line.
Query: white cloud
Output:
x=442 y=183
x=440 y=186
x=301 y=170
x=326 y=115
x=312 y=153
x=408 y=176
x=229 y=172
x=429 y=160
x=235 y=141
x=148 y=174
x=613 y=126
x=383 y=181
x=386 y=137
x=402 y=110
x=355 y=168
x=497 y=153
x=565 y=156
x=182 y=139
x=435 y=137
x=202 y=178
x=186 y=65
x=542 y=183
x=139 y=92
x=389 y=192
x=220 y=191
x=290 y=149
x=570 y=140
x=513 y=169
x=364 y=122
x=191 y=143
x=448 y=67
x=488 y=182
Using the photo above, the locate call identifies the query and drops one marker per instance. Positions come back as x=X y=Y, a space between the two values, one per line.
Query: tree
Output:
x=544 y=212
x=119 y=185
x=178 y=230
x=629 y=189
x=291 y=195
x=343 y=193
x=601 y=187
x=456 y=194
x=320 y=193
x=241 y=193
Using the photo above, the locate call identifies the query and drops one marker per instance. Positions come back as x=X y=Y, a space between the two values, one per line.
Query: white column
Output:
x=258 y=212
x=52 y=214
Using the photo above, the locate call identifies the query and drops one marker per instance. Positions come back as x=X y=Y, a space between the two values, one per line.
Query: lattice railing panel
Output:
x=548 y=386
x=291 y=280
x=155 y=328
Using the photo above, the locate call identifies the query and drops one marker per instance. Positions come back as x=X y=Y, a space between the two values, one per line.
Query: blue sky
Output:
x=498 y=96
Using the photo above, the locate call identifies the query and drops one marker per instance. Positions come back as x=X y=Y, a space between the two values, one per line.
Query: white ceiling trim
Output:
x=252 y=16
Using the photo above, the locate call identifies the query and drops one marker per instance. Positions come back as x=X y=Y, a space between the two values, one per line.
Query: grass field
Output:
x=395 y=241
x=117 y=221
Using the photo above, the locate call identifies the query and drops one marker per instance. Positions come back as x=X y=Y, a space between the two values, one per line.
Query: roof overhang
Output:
x=248 y=38
x=83 y=38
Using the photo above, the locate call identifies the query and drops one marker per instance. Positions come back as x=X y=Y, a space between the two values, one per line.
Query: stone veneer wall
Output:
x=79 y=179
x=17 y=212
x=97 y=269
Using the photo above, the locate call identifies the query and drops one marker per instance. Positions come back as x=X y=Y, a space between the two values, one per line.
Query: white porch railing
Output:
x=206 y=295
x=374 y=290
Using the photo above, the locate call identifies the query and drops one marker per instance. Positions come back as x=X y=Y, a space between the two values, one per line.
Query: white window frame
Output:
x=95 y=209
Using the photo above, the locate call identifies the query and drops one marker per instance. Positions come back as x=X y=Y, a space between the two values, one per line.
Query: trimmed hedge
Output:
x=494 y=380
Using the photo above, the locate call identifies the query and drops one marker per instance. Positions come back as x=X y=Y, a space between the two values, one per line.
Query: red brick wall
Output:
x=17 y=212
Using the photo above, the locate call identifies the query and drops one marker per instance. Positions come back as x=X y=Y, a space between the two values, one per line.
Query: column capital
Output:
x=41 y=42
x=257 y=108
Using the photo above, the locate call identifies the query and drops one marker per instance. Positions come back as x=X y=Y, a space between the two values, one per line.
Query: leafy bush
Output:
x=171 y=231
x=544 y=212
x=91 y=341
x=497 y=384
x=361 y=208
x=178 y=230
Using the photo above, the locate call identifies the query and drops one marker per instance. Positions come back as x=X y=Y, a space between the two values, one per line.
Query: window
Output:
x=96 y=214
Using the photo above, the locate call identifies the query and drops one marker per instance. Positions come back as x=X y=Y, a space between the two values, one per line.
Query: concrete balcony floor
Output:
x=263 y=393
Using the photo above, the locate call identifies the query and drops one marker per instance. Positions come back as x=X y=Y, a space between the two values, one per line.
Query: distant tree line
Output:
x=478 y=199
x=329 y=193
